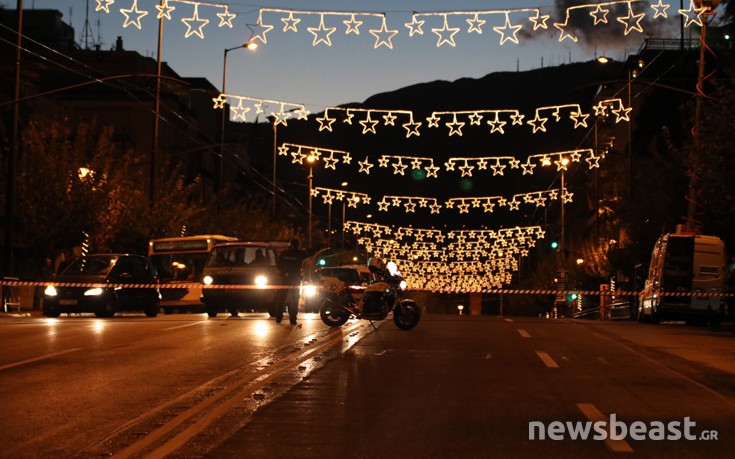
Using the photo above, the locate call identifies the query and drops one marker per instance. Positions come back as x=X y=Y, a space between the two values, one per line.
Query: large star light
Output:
x=195 y=19
x=133 y=15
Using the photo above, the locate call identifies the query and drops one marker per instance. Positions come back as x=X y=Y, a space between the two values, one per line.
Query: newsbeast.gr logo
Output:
x=618 y=430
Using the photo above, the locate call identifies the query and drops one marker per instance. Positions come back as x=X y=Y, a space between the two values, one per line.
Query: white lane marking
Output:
x=591 y=412
x=226 y=399
x=523 y=333
x=508 y=320
x=184 y=326
x=36 y=359
x=546 y=358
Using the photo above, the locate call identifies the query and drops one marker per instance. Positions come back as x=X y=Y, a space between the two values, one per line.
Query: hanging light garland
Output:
x=508 y=23
x=456 y=260
x=467 y=166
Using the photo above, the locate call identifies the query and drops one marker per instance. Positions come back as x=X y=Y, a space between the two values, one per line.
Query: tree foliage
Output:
x=72 y=186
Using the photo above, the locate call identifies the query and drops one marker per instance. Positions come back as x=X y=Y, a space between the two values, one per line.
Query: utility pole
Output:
x=12 y=153
x=707 y=6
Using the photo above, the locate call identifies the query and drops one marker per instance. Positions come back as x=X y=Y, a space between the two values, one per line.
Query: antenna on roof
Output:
x=87 y=34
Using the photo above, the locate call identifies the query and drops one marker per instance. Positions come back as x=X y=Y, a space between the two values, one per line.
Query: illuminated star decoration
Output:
x=104 y=5
x=539 y=21
x=290 y=23
x=475 y=24
x=446 y=34
x=225 y=17
x=632 y=21
x=197 y=30
x=259 y=29
x=600 y=15
x=133 y=15
x=286 y=109
x=660 y=9
x=352 y=25
x=692 y=15
x=383 y=36
x=164 y=10
x=414 y=27
x=321 y=33
x=508 y=36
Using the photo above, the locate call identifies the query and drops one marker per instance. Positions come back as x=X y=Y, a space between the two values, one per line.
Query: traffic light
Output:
x=554 y=245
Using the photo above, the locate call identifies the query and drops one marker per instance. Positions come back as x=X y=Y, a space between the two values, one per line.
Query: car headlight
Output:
x=402 y=285
x=309 y=290
x=50 y=290
x=261 y=280
x=93 y=292
x=207 y=280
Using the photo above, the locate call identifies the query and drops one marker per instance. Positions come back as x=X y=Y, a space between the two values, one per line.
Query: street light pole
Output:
x=249 y=45
x=275 y=151
x=12 y=154
x=344 y=202
x=156 y=122
x=310 y=159
x=707 y=7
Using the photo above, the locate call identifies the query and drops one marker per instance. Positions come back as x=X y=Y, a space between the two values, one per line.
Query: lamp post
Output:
x=251 y=45
x=310 y=159
x=344 y=202
x=707 y=8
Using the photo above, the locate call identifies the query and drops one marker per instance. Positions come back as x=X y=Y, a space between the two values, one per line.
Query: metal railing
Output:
x=11 y=296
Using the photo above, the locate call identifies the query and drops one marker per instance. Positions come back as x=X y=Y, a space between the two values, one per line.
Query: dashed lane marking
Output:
x=591 y=412
x=184 y=326
x=37 y=359
x=523 y=333
x=546 y=358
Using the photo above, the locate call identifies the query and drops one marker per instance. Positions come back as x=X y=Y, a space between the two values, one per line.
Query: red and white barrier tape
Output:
x=195 y=285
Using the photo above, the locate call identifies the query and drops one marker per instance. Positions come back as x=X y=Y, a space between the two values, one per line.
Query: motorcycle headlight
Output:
x=261 y=281
x=50 y=290
x=402 y=285
x=309 y=290
x=93 y=292
x=207 y=280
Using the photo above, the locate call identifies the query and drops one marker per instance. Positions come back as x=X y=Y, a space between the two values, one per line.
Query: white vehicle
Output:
x=180 y=260
x=693 y=266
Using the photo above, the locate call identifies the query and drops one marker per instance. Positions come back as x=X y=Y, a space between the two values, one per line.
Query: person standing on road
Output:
x=289 y=264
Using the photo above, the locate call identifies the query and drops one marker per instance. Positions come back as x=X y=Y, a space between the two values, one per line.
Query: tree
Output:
x=712 y=155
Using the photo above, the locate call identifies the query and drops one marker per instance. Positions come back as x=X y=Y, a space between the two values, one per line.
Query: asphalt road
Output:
x=189 y=386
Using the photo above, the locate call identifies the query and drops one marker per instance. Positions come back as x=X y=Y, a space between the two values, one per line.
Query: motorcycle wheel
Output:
x=333 y=316
x=407 y=315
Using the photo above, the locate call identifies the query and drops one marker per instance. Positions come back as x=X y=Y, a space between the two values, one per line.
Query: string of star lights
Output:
x=300 y=152
x=352 y=198
x=510 y=22
x=466 y=165
x=409 y=203
x=498 y=119
x=372 y=118
x=194 y=24
x=460 y=260
x=598 y=14
x=506 y=23
x=488 y=203
x=241 y=105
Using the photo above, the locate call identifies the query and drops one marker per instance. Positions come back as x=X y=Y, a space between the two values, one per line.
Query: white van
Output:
x=685 y=264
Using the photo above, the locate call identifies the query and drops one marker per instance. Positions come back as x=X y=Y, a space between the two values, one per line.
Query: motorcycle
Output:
x=341 y=301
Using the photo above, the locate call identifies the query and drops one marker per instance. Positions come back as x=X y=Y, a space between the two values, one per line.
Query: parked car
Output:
x=246 y=270
x=103 y=301
x=354 y=275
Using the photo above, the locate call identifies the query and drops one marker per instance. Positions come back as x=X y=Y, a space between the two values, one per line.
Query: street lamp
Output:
x=251 y=45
